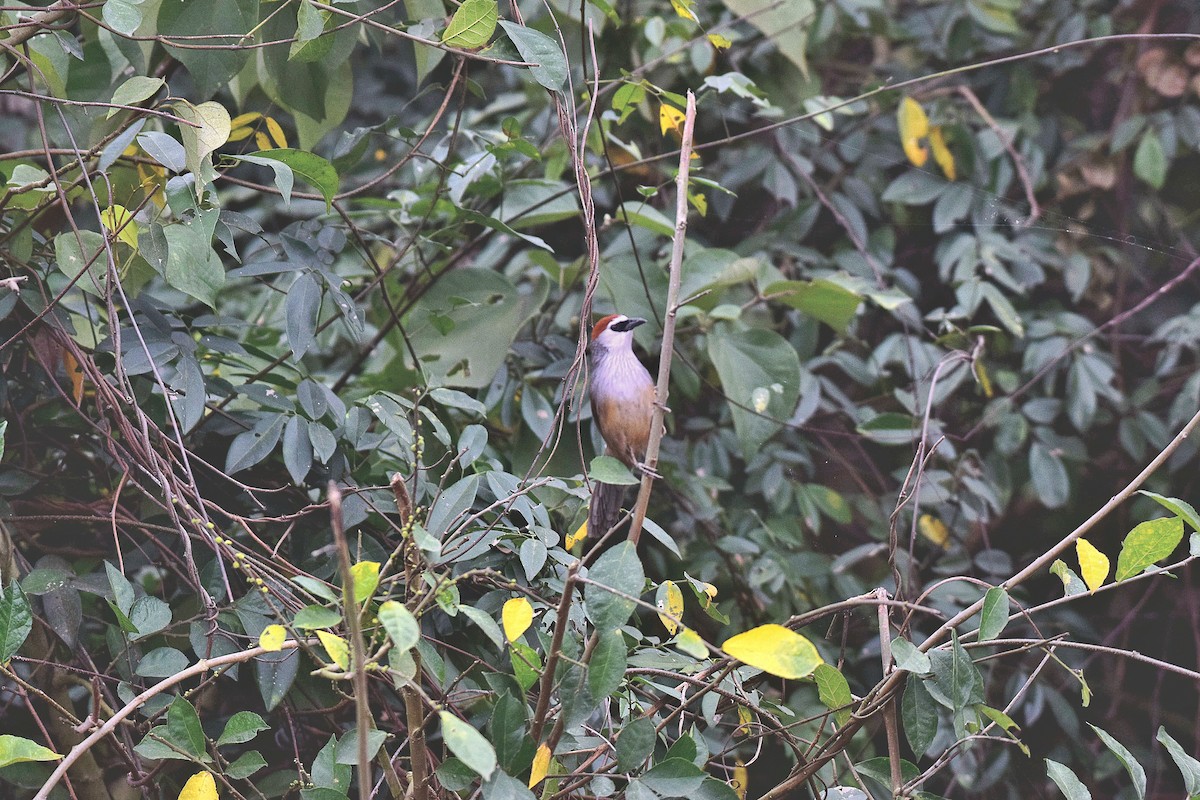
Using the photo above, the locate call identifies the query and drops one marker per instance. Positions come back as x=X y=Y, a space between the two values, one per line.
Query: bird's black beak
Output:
x=627 y=324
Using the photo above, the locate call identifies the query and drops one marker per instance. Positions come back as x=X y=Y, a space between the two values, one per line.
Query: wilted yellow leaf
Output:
x=117 y=219
x=261 y=141
x=276 y=132
x=669 y=601
x=670 y=119
x=541 y=765
x=237 y=134
x=933 y=529
x=242 y=120
x=684 y=9
x=941 y=153
x=985 y=380
x=516 y=616
x=578 y=536
x=200 y=786
x=336 y=647
x=74 y=375
x=741 y=779
x=914 y=126
x=718 y=41
x=698 y=201
x=364 y=578
x=745 y=716
x=776 y=650
x=1093 y=565
x=271 y=638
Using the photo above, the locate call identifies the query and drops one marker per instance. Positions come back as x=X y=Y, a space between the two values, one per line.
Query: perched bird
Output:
x=622 y=394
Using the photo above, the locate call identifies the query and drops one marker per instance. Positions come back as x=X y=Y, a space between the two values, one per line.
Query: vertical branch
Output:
x=889 y=709
x=362 y=709
x=414 y=714
x=547 y=682
x=668 y=340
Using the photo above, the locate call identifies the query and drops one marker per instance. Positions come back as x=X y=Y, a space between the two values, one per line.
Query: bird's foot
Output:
x=645 y=469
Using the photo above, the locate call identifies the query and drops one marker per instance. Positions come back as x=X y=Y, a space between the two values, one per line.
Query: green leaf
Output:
x=213 y=22
x=919 y=713
x=14 y=750
x=347 y=747
x=1136 y=773
x=834 y=691
x=1066 y=781
x=161 y=662
x=16 y=621
x=134 y=90
x=1176 y=506
x=535 y=47
x=994 y=616
x=242 y=727
x=909 y=658
x=485 y=623
x=760 y=374
x=635 y=744
x=468 y=744
x=526 y=664
x=472 y=25
x=646 y=216
x=401 y=626
x=149 y=615
x=183 y=728
x=1049 y=476
x=1150 y=160
x=786 y=26
x=208 y=129
x=315 y=170
x=246 y=765
x=1189 y=767
x=619 y=569
x=313 y=617
x=192 y=266
x=606 y=670
x=1072 y=583
x=1147 y=544
x=674 y=777
x=607 y=469
x=824 y=300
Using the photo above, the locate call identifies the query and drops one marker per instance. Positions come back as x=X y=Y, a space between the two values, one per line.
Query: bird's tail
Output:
x=605 y=508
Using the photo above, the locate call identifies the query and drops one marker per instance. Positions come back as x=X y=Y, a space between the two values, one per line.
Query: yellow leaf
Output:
x=718 y=41
x=914 y=126
x=670 y=119
x=200 y=786
x=699 y=202
x=578 y=536
x=336 y=647
x=933 y=529
x=985 y=380
x=276 y=133
x=670 y=602
x=244 y=119
x=710 y=593
x=941 y=153
x=261 y=141
x=541 y=765
x=690 y=642
x=684 y=9
x=1093 y=565
x=776 y=650
x=117 y=219
x=364 y=578
x=516 y=616
x=745 y=717
x=75 y=375
x=741 y=779
x=237 y=134
x=271 y=638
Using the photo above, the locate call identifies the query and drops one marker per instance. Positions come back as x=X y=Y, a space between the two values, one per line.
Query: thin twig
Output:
x=668 y=339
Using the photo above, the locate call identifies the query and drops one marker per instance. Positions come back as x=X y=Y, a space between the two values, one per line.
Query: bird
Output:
x=622 y=397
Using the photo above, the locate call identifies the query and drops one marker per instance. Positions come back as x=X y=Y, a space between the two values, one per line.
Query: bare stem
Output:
x=668 y=339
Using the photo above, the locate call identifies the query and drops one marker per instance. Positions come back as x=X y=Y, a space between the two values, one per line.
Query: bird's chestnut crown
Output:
x=618 y=323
